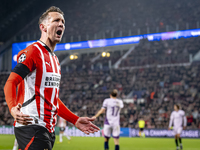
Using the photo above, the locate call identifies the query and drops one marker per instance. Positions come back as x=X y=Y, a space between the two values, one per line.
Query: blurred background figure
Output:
x=141 y=124
x=179 y=121
x=15 y=147
x=112 y=106
x=62 y=123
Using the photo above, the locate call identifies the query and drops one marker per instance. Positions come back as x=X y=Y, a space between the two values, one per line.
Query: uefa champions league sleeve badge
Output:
x=21 y=58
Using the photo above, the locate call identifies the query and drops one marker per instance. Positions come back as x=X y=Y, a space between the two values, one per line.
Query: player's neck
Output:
x=113 y=97
x=49 y=43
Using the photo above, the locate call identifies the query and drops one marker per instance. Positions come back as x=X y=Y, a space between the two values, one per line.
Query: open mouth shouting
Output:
x=59 y=32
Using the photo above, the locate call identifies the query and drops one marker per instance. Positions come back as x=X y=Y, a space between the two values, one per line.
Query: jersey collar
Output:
x=45 y=46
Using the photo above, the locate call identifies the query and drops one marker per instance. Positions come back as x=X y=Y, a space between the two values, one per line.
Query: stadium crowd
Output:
x=5 y=116
x=93 y=61
x=145 y=54
x=162 y=52
x=153 y=90
x=88 y=20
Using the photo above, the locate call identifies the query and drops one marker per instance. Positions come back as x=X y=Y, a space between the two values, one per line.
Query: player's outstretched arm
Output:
x=84 y=124
x=102 y=110
x=65 y=113
x=10 y=95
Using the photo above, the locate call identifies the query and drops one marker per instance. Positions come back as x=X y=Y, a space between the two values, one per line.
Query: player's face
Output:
x=175 y=108
x=55 y=26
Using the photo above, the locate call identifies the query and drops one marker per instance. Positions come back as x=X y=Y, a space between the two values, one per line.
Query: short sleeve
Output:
x=104 y=104
x=27 y=57
x=26 y=61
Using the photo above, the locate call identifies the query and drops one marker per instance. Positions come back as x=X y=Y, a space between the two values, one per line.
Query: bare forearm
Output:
x=100 y=112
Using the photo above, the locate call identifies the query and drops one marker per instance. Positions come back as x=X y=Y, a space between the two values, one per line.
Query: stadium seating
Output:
x=84 y=93
x=88 y=20
x=84 y=61
x=5 y=116
x=174 y=85
x=153 y=89
x=152 y=86
x=162 y=52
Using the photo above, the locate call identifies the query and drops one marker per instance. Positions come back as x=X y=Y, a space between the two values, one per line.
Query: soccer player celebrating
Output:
x=179 y=122
x=62 y=125
x=112 y=106
x=37 y=78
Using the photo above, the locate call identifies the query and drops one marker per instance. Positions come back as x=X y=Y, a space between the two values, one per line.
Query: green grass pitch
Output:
x=97 y=143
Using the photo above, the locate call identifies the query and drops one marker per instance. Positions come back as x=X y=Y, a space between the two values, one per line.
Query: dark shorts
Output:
x=141 y=129
x=34 y=137
x=62 y=129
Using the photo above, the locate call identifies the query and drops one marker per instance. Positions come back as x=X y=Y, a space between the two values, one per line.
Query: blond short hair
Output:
x=46 y=13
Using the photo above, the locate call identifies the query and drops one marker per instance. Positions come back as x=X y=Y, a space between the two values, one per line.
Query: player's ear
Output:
x=43 y=27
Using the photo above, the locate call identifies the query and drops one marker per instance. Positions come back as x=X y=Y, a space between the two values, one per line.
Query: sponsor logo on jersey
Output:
x=52 y=80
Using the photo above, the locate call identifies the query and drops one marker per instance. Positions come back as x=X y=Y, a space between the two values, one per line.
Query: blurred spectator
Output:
x=88 y=20
x=195 y=115
x=155 y=89
x=189 y=120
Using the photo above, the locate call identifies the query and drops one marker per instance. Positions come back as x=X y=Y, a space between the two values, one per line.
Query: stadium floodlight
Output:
x=72 y=57
x=103 y=54
x=107 y=54
x=75 y=57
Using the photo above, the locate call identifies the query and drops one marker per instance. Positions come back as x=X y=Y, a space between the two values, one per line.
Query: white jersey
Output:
x=178 y=119
x=62 y=122
x=113 y=108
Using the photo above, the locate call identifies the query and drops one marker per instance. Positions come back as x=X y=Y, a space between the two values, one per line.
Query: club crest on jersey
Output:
x=22 y=57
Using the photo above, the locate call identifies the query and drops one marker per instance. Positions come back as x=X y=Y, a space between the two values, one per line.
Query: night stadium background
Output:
x=147 y=49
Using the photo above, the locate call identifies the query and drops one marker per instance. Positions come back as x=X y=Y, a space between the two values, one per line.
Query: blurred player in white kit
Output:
x=62 y=125
x=113 y=107
x=179 y=122
x=15 y=147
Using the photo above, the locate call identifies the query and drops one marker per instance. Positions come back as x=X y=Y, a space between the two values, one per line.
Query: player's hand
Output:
x=84 y=124
x=169 y=128
x=19 y=116
x=184 y=128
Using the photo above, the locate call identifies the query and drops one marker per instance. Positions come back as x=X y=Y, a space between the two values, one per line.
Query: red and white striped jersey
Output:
x=39 y=91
